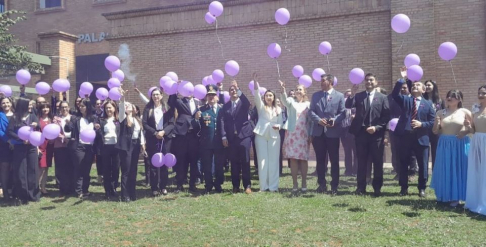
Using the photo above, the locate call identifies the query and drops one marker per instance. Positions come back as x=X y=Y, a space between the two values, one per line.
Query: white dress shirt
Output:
x=192 y=105
x=84 y=124
x=110 y=132
x=137 y=129
x=159 y=118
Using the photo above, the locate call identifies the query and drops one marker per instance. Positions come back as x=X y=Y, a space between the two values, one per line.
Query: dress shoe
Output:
x=334 y=191
x=377 y=193
x=126 y=199
x=155 y=193
x=218 y=189
x=192 y=188
x=133 y=198
x=236 y=190
x=359 y=192
x=321 y=189
x=248 y=191
x=403 y=192
x=179 y=189
x=163 y=192
x=422 y=193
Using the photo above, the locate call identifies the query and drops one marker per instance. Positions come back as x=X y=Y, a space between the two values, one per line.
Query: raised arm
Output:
x=399 y=98
x=142 y=96
x=287 y=101
x=256 y=96
x=121 y=106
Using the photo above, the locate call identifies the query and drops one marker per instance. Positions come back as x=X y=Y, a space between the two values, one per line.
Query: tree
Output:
x=13 y=57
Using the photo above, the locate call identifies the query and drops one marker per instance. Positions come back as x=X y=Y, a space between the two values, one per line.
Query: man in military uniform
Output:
x=211 y=147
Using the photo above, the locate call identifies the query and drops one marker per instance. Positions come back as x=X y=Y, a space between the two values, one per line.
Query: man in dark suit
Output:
x=186 y=142
x=413 y=126
x=236 y=131
x=326 y=113
x=368 y=127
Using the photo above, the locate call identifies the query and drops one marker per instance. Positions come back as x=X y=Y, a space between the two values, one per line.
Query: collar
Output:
x=372 y=93
x=329 y=92
x=235 y=101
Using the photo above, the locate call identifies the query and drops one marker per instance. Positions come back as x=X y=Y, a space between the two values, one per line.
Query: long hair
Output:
x=150 y=105
x=21 y=110
x=115 y=113
x=89 y=109
x=136 y=116
x=457 y=95
x=43 y=106
x=304 y=97
x=434 y=96
x=274 y=103
x=11 y=104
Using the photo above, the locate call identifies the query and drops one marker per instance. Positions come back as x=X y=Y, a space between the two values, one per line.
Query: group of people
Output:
x=211 y=132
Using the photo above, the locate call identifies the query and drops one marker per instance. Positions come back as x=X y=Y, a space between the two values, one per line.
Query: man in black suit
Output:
x=413 y=126
x=186 y=142
x=236 y=131
x=368 y=127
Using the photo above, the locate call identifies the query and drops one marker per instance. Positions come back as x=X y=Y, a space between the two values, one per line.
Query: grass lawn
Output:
x=259 y=219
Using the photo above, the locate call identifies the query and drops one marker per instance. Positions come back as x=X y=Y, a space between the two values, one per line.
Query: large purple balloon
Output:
x=274 y=50
x=415 y=73
x=218 y=75
x=51 y=131
x=36 y=138
x=447 y=51
x=87 y=135
x=42 y=88
x=232 y=68
x=251 y=86
x=205 y=81
x=149 y=93
x=118 y=74
x=24 y=132
x=113 y=82
x=114 y=93
x=282 y=16
x=173 y=76
x=393 y=124
x=112 y=63
x=325 y=48
x=210 y=19
x=226 y=96
x=297 y=71
x=400 y=23
x=356 y=76
x=216 y=8
x=170 y=160
x=61 y=85
x=158 y=160
x=411 y=59
x=164 y=80
x=171 y=88
x=335 y=82
x=23 y=76
x=305 y=81
x=6 y=90
x=262 y=91
x=200 y=91
x=101 y=93
x=186 y=88
x=211 y=80
x=86 y=87
x=317 y=73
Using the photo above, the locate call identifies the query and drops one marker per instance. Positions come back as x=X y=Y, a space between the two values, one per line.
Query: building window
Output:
x=3 y=6
x=106 y=2
x=48 y=6
x=45 y=4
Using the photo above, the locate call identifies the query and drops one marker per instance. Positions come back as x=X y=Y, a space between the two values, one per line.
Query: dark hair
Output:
x=370 y=74
x=11 y=102
x=112 y=103
x=138 y=109
x=21 y=110
x=328 y=77
x=434 y=96
x=89 y=109
x=479 y=89
x=274 y=103
x=151 y=104
x=456 y=94
x=42 y=106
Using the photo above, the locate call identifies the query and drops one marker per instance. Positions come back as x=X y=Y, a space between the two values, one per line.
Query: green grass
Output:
x=259 y=219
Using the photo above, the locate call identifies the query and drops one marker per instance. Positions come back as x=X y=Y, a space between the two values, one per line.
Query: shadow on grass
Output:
x=48 y=208
x=411 y=214
x=357 y=209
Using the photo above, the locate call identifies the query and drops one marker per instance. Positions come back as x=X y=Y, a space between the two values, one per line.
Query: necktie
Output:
x=325 y=98
x=234 y=106
x=368 y=110
x=414 y=110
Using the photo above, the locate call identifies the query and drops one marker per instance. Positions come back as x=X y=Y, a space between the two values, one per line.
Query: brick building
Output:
x=171 y=35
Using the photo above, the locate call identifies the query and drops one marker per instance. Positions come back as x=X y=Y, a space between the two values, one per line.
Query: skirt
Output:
x=476 y=175
x=449 y=176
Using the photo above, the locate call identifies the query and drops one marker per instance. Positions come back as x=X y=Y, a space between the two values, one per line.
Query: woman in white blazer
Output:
x=267 y=138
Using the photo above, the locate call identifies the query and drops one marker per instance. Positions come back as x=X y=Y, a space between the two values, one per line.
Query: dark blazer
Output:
x=380 y=112
x=149 y=126
x=425 y=114
x=100 y=133
x=332 y=108
x=236 y=122
x=185 y=119
x=74 y=127
x=395 y=110
x=210 y=136
x=13 y=128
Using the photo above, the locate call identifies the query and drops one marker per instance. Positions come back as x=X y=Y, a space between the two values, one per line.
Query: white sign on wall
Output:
x=91 y=37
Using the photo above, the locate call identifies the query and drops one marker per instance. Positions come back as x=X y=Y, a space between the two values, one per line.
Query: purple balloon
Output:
x=447 y=51
x=232 y=68
x=61 y=85
x=87 y=135
x=6 y=90
x=113 y=82
x=164 y=80
x=226 y=96
x=114 y=93
x=262 y=91
x=317 y=73
x=170 y=160
x=251 y=85
x=216 y=8
x=356 y=76
x=305 y=81
x=51 y=131
x=205 y=81
x=274 y=50
x=200 y=91
x=42 y=88
x=210 y=19
x=415 y=73
x=297 y=71
x=334 y=83
x=400 y=23
x=325 y=48
x=158 y=160
x=23 y=76
x=83 y=94
x=24 y=132
x=282 y=16
x=101 y=93
x=218 y=75
x=173 y=76
x=112 y=63
x=186 y=88
x=150 y=91
x=393 y=124
x=36 y=138
x=86 y=87
x=411 y=59
x=211 y=80
x=171 y=88
x=118 y=74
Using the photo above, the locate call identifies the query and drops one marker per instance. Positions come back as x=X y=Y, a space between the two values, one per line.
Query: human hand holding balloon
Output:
x=354 y=89
x=403 y=72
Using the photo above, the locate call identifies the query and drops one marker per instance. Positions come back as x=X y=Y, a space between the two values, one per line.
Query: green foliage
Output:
x=13 y=57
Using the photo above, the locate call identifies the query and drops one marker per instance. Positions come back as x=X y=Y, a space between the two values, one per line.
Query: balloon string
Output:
x=286 y=44
x=400 y=47
x=455 y=82
x=278 y=69
x=328 y=65
x=161 y=144
x=219 y=40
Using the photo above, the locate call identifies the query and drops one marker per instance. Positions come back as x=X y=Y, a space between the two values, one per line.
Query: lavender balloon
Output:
x=118 y=74
x=112 y=63
x=186 y=88
x=101 y=93
x=226 y=96
x=6 y=90
x=164 y=80
x=335 y=82
x=87 y=135
x=251 y=85
x=158 y=160
x=282 y=16
x=211 y=80
x=51 y=131
x=36 y=138
x=356 y=76
x=23 y=76
x=262 y=91
x=170 y=160
x=400 y=23
x=83 y=94
x=317 y=73
x=61 y=85
x=171 y=88
x=210 y=19
x=24 y=132
x=232 y=68
x=173 y=76
x=218 y=75
x=42 y=88
x=447 y=51
x=274 y=50
x=411 y=59
x=149 y=93
x=114 y=93
x=205 y=81
x=393 y=124
x=325 y=48
x=200 y=91
x=305 y=81
x=86 y=87
x=113 y=82
x=415 y=73
x=297 y=71
x=216 y=8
